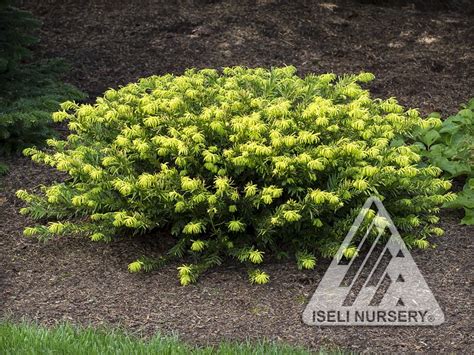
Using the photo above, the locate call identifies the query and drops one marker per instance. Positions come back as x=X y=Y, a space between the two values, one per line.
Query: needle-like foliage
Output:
x=245 y=163
x=30 y=90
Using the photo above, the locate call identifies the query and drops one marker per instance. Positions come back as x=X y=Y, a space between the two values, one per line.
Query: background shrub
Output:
x=243 y=164
x=29 y=90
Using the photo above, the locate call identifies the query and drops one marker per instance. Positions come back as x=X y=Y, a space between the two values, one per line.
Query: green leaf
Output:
x=469 y=217
x=464 y=199
x=397 y=142
x=468 y=114
x=470 y=104
x=430 y=137
x=454 y=168
x=449 y=127
x=435 y=115
x=470 y=183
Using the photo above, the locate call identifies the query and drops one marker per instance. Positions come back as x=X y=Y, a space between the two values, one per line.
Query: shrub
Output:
x=242 y=164
x=450 y=146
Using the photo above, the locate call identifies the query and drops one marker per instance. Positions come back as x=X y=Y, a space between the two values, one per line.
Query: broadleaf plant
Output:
x=243 y=163
x=450 y=146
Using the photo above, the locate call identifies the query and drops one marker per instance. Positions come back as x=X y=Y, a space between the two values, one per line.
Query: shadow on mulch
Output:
x=424 y=58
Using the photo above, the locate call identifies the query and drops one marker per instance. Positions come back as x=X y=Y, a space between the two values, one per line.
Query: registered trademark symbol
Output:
x=431 y=318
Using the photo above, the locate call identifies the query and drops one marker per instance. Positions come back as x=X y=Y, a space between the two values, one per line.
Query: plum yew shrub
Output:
x=244 y=164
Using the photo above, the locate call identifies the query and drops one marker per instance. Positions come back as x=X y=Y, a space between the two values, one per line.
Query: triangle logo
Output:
x=375 y=284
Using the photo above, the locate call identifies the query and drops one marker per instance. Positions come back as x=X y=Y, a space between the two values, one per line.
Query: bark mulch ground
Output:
x=423 y=57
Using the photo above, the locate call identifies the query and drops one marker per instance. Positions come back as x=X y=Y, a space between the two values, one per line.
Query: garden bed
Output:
x=423 y=58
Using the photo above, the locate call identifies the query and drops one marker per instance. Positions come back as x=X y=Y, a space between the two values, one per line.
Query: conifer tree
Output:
x=29 y=89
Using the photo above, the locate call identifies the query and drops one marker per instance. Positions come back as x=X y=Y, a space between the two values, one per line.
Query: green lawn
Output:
x=25 y=338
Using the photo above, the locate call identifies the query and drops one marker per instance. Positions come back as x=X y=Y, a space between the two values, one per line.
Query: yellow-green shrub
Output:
x=245 y=163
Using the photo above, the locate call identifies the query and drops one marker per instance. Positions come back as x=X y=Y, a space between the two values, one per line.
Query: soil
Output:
x=423 y=55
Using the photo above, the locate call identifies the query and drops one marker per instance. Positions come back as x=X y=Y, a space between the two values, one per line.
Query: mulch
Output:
x=424 y=57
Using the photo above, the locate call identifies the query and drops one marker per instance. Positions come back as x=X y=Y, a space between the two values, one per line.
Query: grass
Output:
x=26 y=338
